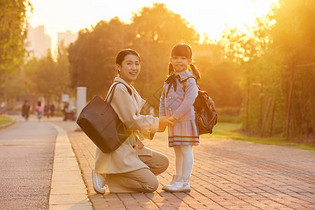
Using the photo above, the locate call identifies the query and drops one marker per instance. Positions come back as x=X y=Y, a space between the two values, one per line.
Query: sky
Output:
x=208 y=17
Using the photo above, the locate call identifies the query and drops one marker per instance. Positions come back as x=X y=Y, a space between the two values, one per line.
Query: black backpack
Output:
x=205 y=114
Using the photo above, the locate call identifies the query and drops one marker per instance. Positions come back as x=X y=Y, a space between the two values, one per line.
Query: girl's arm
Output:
x=126 y=110
x=191 y=94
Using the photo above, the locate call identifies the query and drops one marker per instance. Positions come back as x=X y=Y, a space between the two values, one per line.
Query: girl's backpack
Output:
x=205 y=114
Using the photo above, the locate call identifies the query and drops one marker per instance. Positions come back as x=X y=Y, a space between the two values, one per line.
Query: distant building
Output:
x=37 y=42
x=66 y=38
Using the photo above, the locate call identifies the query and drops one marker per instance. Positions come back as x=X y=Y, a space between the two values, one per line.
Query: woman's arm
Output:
x=125 y=107
x=162 y=104
x=191 y=94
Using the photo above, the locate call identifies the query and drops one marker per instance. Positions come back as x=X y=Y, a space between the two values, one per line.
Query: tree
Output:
x=256 y=57
x=48 y=78
x=92 y=56
x=293 y=40
x=157 y=30
x=278 y=65
x=12 y=35
x=151 y=33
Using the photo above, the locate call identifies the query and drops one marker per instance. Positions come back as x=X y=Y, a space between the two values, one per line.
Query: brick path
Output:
x=226 y=175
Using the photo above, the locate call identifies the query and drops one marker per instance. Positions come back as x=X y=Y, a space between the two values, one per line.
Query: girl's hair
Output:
x=183 y=50
x=122 y=54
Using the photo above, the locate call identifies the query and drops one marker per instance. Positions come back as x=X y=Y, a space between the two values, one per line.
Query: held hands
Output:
x=164 y=121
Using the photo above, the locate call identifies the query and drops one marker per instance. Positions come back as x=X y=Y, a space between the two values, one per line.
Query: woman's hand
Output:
x=172 y=119
x=163 y=122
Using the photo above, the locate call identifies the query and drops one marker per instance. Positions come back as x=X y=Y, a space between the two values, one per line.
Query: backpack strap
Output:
x=184 y=81
x=110 y=94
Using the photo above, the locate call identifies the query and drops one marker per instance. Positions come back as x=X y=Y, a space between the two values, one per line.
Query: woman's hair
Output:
x=122 y=54
x=183 y=50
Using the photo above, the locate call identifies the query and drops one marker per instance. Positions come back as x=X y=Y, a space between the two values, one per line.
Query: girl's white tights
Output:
x=184 y=160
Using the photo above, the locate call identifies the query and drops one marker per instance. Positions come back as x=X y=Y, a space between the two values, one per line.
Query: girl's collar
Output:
x=184 y=75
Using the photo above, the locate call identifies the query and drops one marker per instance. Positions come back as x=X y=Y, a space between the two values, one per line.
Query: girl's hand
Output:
x=163 y=122
x=172 y=120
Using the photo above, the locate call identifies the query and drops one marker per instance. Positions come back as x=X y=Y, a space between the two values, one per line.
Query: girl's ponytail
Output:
x=195 y=71
x=170 y=69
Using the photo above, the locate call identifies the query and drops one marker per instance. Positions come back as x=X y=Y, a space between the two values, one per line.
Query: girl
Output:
x=132 y=167
x=39 y=110
x=180 y=92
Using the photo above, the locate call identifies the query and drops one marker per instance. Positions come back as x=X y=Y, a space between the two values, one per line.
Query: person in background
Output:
x=47 y=110
x=39 y=110
x=52 y=109
x=26 y=110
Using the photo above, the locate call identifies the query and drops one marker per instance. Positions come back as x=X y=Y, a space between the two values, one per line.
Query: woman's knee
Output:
x=151 y=186
x=162 y=163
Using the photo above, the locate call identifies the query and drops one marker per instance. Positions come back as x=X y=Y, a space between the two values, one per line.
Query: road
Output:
x=26 y=161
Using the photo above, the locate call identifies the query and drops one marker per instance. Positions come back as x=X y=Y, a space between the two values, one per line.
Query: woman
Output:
x=132 y=167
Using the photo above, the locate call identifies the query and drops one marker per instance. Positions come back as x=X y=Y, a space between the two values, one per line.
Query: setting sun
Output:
x=207 y=17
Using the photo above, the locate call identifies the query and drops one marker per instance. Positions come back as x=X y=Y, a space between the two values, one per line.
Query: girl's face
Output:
x=129 y=68
x=180 y=63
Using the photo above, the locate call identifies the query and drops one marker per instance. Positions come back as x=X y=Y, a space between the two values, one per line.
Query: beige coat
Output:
x=125 y=158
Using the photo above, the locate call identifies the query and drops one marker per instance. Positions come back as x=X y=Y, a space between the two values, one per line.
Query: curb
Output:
x=7 y=125
x=68 y=190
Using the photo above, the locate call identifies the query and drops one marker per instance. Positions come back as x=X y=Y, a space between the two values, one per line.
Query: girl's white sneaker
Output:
x=98 y=182
x=181 y=184
x=173 y=182
x=179 y=187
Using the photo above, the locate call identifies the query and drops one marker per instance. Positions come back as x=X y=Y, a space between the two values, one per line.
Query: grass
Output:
x=231 y=131
x=5 y=120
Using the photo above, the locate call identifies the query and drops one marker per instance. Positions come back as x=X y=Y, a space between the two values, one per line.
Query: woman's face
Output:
x=129 y=68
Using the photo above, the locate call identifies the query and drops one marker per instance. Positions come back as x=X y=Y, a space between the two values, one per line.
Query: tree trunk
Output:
x=272 y=118
x=261 y=103
x=265 y=117
x=247 y=106
x=287 y=128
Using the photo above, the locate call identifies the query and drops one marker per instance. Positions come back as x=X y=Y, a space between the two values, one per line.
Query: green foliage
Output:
x=152 y=33
x=232 y=131
x=5 y=120
x=278 y=68
x=157 y=31
x=294 y=41
x=92 y=56
x=221 y=81
x=12 y=35
x=47 y=77
x=229 y=119
x=14 y=85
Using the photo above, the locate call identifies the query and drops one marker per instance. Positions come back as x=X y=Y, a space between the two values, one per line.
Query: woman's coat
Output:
x=125 y=158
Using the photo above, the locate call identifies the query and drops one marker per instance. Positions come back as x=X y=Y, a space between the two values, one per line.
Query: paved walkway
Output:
x=26 y=162
x=38 y=169
x=226 y=175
